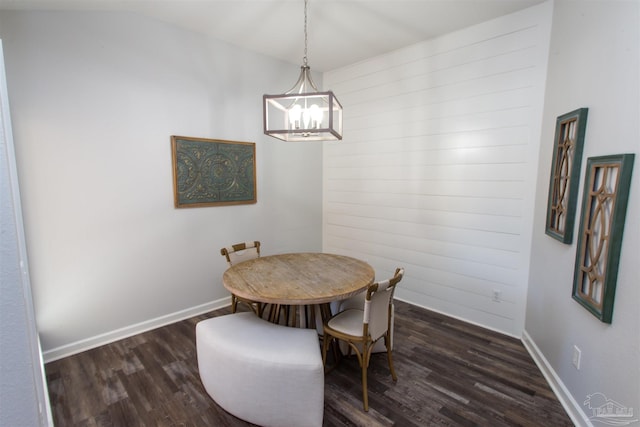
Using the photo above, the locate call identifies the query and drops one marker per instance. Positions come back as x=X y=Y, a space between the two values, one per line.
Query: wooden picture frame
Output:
x=565 y=174
x=212 y=172
x=604 y=206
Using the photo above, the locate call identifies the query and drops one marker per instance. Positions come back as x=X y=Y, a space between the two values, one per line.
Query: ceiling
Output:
x=340 y=32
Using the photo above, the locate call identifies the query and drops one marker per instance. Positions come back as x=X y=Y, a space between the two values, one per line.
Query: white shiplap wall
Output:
x=437 y=168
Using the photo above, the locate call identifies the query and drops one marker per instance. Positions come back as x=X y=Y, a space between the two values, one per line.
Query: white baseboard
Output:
x=118 y=334
x=562 y=393
x=462 y=319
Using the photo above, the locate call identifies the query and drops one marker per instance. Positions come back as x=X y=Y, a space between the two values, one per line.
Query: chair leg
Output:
x=337 y=354
x=234 y=303
x=366 y=354
x=387 y=343
x=326 y=340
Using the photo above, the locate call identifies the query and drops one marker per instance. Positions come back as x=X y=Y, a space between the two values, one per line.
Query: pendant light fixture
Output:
x=303 y=113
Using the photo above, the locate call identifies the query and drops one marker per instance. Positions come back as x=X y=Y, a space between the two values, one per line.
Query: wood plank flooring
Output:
x=450 y=373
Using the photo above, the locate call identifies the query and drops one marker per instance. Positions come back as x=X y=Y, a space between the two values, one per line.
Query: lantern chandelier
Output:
x=303 y=113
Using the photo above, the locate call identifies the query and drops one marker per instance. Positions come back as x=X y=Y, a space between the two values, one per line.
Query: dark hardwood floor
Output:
x=449 y=374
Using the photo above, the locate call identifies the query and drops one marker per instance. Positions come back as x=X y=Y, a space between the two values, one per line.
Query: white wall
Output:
x=95 y=98
x=594 y=62
x=437 y=168
x=23 y=395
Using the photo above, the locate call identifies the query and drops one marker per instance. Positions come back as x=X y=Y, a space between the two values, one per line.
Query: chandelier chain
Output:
x=304 y=59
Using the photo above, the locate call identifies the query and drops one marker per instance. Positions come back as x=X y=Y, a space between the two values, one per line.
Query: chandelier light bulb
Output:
x=294 y=116
x=316 y=116
x=306 y=117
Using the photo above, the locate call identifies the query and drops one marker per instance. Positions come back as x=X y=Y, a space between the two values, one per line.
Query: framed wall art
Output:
x=604 y=206
x=565 y=174
x=212 y=172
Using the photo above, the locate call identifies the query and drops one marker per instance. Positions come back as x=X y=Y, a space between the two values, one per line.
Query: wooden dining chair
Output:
x=236 y=254
x=357 y=301
x=362 y=328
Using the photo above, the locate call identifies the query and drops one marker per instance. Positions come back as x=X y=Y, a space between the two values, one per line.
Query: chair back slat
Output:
x=241 y=252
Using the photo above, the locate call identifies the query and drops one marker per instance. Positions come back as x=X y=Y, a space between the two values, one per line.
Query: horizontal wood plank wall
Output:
x=436 y=171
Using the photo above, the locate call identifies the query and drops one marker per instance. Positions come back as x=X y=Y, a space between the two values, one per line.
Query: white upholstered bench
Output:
x=266 y=374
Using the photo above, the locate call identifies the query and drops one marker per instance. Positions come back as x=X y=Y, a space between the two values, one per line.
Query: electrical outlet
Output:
x=577 y=355
x=497 y=295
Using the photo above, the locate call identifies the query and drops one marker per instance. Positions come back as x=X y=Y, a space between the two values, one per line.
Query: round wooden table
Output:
x=305 y=279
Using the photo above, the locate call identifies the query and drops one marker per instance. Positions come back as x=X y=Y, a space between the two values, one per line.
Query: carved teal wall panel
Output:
x=211 y=172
